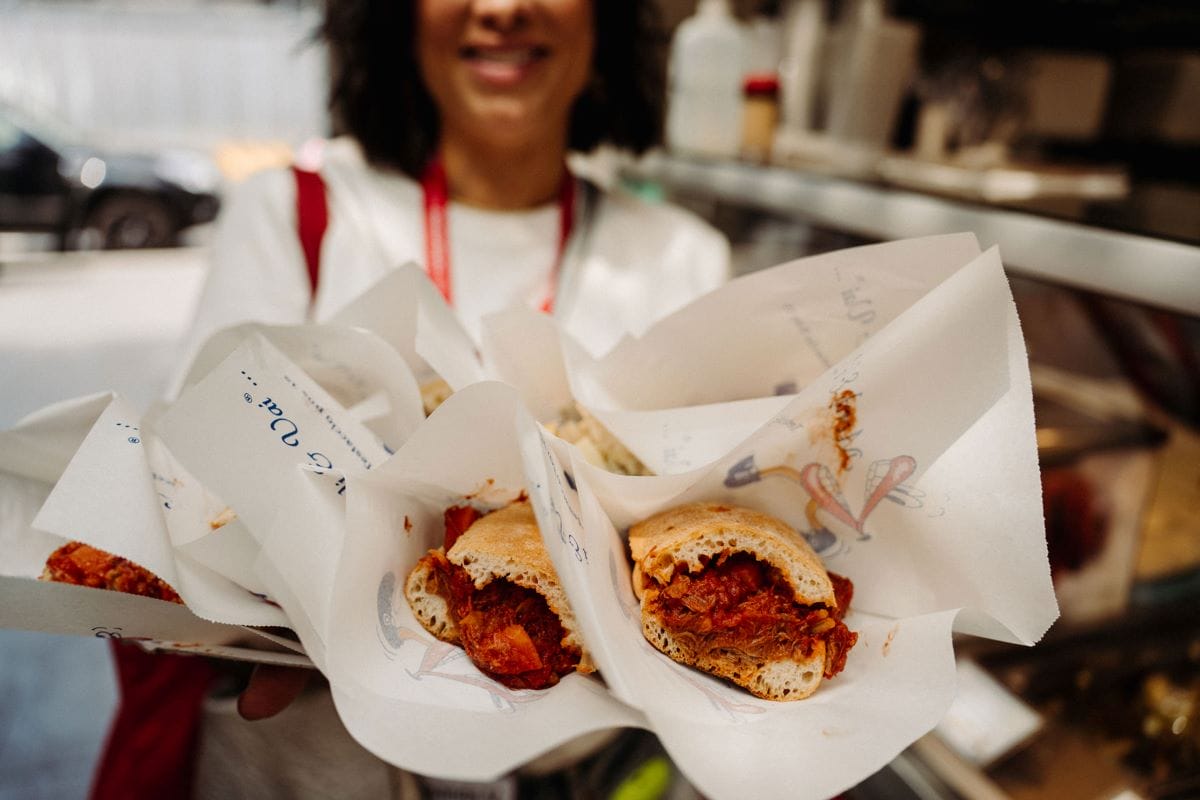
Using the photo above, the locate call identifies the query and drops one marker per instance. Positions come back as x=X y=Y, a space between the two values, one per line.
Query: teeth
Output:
x=506 y=56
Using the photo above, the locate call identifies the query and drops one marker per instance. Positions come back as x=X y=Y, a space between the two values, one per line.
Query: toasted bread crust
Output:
x=503 y=544
x=688 y=537
x=786 y=679
x=430 y=608
x=693 y=533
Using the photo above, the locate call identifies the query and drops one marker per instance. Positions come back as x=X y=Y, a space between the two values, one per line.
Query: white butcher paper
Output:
x=111 y=498
x=41 y=444
x=412 y=700
x=406 y=310
x=759 y=339
x=33 y=454
x=23 y=548
x=105 y=497
x=770 y=331
x=61 y=608
x=373 y=354
x=102 y=502
x=366 y=376
x=360 y=370
x=936 y=518
x=260 y=434
x=876 y=399
x=202 y=527
x=701 y=380
x=524 y=348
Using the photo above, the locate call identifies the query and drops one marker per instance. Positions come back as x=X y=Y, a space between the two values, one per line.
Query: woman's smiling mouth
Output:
x=503 y=66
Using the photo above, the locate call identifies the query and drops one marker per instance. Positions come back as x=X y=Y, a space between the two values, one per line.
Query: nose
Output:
x=502 y=15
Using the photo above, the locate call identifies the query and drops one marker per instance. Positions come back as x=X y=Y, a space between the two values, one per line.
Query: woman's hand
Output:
x=271 y=689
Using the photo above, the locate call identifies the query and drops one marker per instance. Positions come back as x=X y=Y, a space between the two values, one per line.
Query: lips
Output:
x=503 y=66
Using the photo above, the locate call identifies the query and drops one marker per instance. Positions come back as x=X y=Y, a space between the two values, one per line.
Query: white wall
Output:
x=167 y=73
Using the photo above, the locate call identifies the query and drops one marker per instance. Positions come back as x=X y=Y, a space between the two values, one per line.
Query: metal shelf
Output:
x=1140 y=268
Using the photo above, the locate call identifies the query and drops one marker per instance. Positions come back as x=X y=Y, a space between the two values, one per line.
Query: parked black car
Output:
x=51 y=181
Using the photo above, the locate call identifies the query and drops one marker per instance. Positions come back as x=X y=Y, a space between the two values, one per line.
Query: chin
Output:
x=510 y=121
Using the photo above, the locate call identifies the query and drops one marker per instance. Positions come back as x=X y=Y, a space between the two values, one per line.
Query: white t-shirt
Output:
x=641 y=260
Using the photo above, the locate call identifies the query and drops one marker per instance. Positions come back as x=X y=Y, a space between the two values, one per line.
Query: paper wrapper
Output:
x=352 y=386
x=411 y=699
x=926 y=496
x=754 y=342
x=276 y=446
x=96 y=443
x=875 y=399
x=107 y=479
x=939 y=441
x=701 y=380
x=404 y=313
x=406 y=310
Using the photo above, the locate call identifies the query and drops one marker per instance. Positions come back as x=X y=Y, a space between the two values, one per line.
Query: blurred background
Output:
x=1066 y=131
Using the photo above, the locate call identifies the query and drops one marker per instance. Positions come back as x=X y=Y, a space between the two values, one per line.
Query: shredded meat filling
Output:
x=508 y=631
x=84 y=565
x=736 y=602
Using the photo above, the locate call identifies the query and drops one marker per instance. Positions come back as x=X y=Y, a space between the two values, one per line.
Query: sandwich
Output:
x=434 y=392
x=596 y=442
x=491 y=588
x=83 y=565
x=740 y=595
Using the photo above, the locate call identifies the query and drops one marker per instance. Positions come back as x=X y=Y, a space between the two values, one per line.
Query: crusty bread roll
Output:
x=428 y=606
x=784 y=679
x=503 y=545
x=787 y=664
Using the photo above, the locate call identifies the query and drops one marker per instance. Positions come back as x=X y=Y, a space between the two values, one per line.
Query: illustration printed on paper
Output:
x=437 y=656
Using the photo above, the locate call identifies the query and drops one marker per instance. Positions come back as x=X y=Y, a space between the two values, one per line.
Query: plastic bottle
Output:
x=804 y=32
x=704 y=114
x=760 y=115
x=874 y=59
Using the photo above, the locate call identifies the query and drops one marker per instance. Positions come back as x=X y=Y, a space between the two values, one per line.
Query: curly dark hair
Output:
x=376 y=93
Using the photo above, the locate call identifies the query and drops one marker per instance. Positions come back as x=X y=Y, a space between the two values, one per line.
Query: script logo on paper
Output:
x=135 y=437
x=568 y=495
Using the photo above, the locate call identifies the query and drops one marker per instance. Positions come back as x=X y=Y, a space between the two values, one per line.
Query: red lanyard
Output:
x=437 y=231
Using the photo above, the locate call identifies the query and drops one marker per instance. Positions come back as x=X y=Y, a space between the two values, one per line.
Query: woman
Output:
x=460 y=115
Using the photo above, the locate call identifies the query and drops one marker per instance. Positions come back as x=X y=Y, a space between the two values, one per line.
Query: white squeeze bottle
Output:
x=704 y=113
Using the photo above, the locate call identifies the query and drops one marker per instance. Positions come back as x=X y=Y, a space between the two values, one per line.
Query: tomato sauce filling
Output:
x=456 y=520
x=84 y=565
x=508 y=631
x=736 y=602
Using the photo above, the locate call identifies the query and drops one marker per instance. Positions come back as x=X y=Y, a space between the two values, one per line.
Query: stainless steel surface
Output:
x=1140 y=268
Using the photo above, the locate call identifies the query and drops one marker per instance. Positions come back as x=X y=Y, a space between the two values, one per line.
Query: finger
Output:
x=271 y=689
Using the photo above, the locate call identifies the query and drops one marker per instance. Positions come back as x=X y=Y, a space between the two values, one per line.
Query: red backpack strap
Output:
x=312 y=218
x=152 y=741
